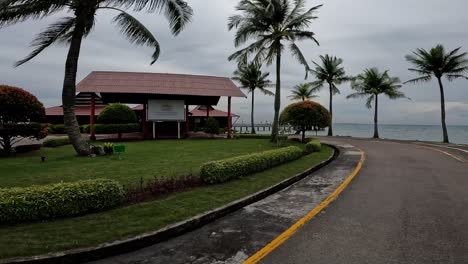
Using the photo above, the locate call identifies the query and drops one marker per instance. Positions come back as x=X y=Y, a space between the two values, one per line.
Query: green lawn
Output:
x=147 y=159
x=93 y=229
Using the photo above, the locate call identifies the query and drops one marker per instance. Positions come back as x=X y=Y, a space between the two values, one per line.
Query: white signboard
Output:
x=166 y=110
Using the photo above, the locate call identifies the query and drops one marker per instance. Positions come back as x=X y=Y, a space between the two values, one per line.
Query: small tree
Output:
x=117 y=114
x=18 y=110
x=306 y=115
x=212 y=126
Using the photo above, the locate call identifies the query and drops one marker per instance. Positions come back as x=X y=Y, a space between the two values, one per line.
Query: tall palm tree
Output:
x=302 y=92
x=271 y=24
x=77 y=25
x=329 y=72
x=373 y=83
x=252 y=78
x=436 y=62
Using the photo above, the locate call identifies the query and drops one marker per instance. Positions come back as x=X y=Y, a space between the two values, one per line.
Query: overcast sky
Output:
x=365 y=33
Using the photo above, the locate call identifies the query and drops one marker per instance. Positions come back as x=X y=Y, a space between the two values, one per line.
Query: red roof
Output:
x=80 y=110
x=197 y=112
x=158 y=83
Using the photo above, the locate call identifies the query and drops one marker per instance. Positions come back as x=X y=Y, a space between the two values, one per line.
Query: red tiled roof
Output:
x=197 y=112
x=158 y=83
x=80 y=110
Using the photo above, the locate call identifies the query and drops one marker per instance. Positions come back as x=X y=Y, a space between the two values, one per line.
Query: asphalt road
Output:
x=409 y=204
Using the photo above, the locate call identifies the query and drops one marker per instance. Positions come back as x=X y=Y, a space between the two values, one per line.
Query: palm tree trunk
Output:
x=69 y=91
x=376 y=127
x=442 y=111
x=275 y=128
x=330 y=128
x=252 y=114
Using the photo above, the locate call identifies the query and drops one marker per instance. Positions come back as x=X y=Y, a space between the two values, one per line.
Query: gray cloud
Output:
x=365 y=33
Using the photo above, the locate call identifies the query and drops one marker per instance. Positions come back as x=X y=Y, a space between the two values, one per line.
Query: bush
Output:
x=117 y=114
x=233 y=168
x=212 y=126
x=57 y=129
x=306 y=115
x=313 y=146
x=18 y=110
x=56 y=142
x=109 y=148
x=59 y=200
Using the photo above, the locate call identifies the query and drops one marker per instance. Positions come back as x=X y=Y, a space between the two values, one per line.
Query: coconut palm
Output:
x=373 y=83
x=251 y=77
x=77 y=25
x=329 y=72
x=271 y=24
x=302 y=92
x=436 y=62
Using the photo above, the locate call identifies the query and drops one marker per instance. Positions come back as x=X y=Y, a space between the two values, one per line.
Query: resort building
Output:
x=163 y=100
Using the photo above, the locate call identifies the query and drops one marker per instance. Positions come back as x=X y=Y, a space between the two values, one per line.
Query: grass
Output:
x=91 y=230
x=147 y=159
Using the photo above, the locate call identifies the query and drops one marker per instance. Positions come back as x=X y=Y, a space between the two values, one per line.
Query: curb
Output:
x=150 y=238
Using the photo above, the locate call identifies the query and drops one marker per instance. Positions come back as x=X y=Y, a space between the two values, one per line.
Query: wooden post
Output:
x=229 y=121
x=92 y=118
x=207 y=111
x=187 y=120
x=145 y=121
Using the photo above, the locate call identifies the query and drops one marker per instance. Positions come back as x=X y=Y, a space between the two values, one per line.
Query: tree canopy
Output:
x=305 y=116
x=117 y=114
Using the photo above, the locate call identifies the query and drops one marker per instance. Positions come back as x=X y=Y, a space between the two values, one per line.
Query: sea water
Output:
x=457 y=134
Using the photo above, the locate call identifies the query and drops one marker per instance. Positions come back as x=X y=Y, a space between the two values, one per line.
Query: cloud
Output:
x=365 y=33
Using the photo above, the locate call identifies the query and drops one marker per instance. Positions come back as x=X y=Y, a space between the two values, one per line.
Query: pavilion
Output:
x=165 y=98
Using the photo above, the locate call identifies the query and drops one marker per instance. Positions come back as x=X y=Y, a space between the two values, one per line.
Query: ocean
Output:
x=457 y=134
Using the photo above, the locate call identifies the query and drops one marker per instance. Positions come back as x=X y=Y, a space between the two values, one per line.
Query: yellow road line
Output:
x=295 y=227
x=444 y=152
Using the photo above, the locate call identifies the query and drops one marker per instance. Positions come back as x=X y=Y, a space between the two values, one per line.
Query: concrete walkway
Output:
x=409 y=204
x=232 y=239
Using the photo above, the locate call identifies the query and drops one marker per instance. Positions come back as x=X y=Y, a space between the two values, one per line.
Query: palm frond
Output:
x=296 y=52
x=16 y=11
x=426 y=78
x=46 y=38
x=137 y=33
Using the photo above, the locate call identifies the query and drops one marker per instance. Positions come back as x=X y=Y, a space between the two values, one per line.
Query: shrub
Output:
x=313 y=146
x=57 y=129
x=18 y=110
x=109 y=147
x=114 y=128
x=212 y=126
x=117 y=114
x=56 y=142
x=306 y=116
x=233 y=168
x=59 y=200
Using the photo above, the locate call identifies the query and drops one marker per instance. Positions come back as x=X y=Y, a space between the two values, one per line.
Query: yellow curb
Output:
x=444 y=152
x=295 y=227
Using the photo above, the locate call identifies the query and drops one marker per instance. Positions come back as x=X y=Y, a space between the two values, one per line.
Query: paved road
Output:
x=409 y=204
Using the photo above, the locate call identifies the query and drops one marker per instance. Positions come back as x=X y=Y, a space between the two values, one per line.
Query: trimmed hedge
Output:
x=59 y=200
x=232 y=168
x=114 y=128
x=57 y=129
x=56 y=142
x=313 y=146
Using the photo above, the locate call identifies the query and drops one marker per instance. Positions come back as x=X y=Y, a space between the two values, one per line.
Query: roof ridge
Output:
x=165 y=73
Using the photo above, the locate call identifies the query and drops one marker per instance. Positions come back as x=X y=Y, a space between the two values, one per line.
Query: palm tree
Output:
x=271 y=24
x=252 y=78
x=436 y=62
x=77 y=25
x=331 y=73
x=373 y=83
x=302 y=92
